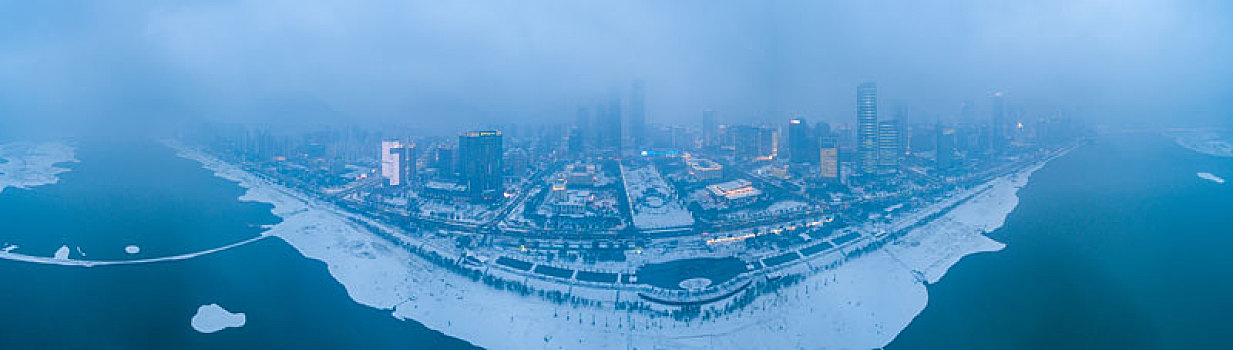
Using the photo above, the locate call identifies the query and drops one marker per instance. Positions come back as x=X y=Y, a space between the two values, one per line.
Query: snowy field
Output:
x=25 y=165
x=654 y=204
x=862 y=303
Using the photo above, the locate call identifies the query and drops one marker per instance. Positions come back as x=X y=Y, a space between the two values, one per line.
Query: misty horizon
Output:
x=458 y=66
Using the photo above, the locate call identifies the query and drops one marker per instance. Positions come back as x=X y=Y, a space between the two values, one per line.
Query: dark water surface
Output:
x=1118 y=245
x=140 y=193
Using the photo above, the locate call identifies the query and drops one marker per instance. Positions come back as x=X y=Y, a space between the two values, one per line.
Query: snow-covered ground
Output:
x=26 y=165
x=653 y=203
x=1211 y=177
x=213 y=318
x=863 y=303
x=1204 y=141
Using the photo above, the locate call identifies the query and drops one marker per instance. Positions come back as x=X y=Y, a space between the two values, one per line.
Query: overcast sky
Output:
x=450 y=65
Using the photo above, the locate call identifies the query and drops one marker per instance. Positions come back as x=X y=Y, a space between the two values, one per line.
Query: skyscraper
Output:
x=585 y=123
x=391 y=164
x=888 y=147
x=753 y=142
x=901 y=121
x=768 y=143
x=407 y=158
x=608 y=128
x=710 y=129
x=945 y=149
x=479 y=156
x=867 y=128
x=821 y=129
x=802 y=146
x=998 y=123
x=637 y=116
x=828 y=158
x=443 y=160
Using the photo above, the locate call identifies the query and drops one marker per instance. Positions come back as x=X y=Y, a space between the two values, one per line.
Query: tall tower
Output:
x=888 y=147
x=828 y=159
x=479 y=157
x=710 y=129
x=802 y=146
x=608 y=129
x=637 y=115
x=901 y=120
x=867 y=128
x=585 y=123
x=391 y=165
x=945 y=148
x=406 y=170
x=998 y=123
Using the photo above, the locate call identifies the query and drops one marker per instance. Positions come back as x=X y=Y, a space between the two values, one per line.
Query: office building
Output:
x=802 y=146
x=397 y=162
x=479 y=158
x=710 y=129
x=828 y=158
x=888 y=147
x=637 y=116
x=867 y=128
x=997 y=132
x=753 y=142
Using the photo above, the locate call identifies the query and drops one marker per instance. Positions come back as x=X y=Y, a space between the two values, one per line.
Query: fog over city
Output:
x=447 y=66
x=681 y=174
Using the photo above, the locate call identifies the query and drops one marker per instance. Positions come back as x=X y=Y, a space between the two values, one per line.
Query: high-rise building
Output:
x=828 y=158
x=516 y=162
x=945 y=149
x=574 y=141
x=444 y=160
x=802 y=146
x=585 y=124
x=393 y=158
x=768 y=143
x=888 y=147
x=710 y=129
x=967 y=113
x=905 y=134
x=479 y=155
x=407 y=168
x=997 y=132
x=753 y=142
x=608 y=128
x=821 y=129
x=867 y=128
x=637 y=116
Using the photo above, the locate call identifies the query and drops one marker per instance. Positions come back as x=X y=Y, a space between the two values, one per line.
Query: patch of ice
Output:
x=213 y=318
x=1208 y=142
x=62 y=253
x=1211 y=177
x=28 y=164
x=132 y=249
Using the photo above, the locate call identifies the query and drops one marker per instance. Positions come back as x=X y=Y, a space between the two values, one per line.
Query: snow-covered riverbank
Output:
x=863 y=303
x=25 y=165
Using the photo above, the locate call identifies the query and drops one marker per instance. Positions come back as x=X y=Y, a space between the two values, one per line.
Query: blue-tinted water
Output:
x=140 y=193
x=1117 y=245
